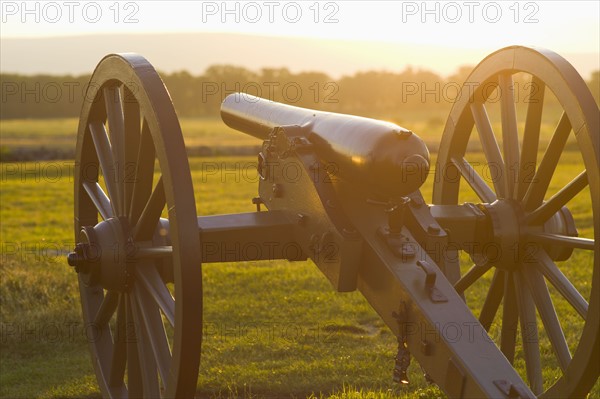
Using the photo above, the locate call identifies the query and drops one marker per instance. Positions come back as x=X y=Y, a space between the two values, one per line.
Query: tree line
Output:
x=381 y=94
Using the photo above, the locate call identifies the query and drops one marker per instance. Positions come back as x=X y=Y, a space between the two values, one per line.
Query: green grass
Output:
x=38 y=139
x=295 y=336
x=59 y=132
x=272 y=329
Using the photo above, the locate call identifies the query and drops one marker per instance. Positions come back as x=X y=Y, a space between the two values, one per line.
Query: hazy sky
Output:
x=562 y=25
x=436 y=35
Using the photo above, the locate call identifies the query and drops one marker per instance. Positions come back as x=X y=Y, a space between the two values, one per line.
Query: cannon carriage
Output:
x=354 y=208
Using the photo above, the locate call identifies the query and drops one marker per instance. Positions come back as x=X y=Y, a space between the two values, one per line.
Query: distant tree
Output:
x=460 y=76
x=41 y=96
x=183 y=88
x=378 y=94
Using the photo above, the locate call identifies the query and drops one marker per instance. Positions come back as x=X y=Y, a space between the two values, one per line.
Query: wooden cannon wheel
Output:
x=141 y=297
x=533 y=212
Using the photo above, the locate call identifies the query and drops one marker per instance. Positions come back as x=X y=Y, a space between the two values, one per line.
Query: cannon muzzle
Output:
x=388 y=159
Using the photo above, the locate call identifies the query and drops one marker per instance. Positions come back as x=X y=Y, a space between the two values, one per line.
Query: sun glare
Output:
x=468 y=24
x=344 y=36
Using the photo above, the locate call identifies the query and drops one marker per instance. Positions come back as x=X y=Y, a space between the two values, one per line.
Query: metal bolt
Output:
x=408 y=250
x=77 y=258
x=277 y=190
x=433 y=229
x=302 y=219
x=73 y=259
x=403 y=134
x=350 y=233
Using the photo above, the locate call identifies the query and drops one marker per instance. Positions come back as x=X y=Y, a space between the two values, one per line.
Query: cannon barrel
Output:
x=392 y=161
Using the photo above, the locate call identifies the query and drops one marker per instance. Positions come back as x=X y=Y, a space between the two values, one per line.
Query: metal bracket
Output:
x=399 y=244
x=512 y=390
x=257 y=201
x=434 y=293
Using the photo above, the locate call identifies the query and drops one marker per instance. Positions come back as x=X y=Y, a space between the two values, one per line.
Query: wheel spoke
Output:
x=134 y=368
x=472 y=275
x=107 y=308
x=489 y=144
x=150 y=279
x=131 y=116
x=510 y=138
x=563 y=241
x=99 y=199
x=116 y=130
x=529 y=334
x=539 y=185
x=107 y=163
x=144 y=229
x=510 y=319
x=156 y=332
x=119 y=352
x=531 y=135
x=483 y=191
x=558 y=200
x=492 y=300
x=451 y=267
x=543 y=302
x=561 y=283
x=144 y=174
x=147 y=362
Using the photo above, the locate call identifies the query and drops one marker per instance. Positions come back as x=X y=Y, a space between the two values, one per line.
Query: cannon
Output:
x=345 y=189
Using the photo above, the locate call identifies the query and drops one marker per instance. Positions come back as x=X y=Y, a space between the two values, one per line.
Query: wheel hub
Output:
x=508 y=226
x=104 y=254
x=562 y=223
x=511 y=246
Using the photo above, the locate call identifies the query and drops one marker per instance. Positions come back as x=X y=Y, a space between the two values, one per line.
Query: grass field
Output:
x=312 y=341
x=43 y=139
x=272 y=329
x=53 y=139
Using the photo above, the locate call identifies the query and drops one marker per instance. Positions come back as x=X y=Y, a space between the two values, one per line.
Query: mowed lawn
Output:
x=272 y=329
